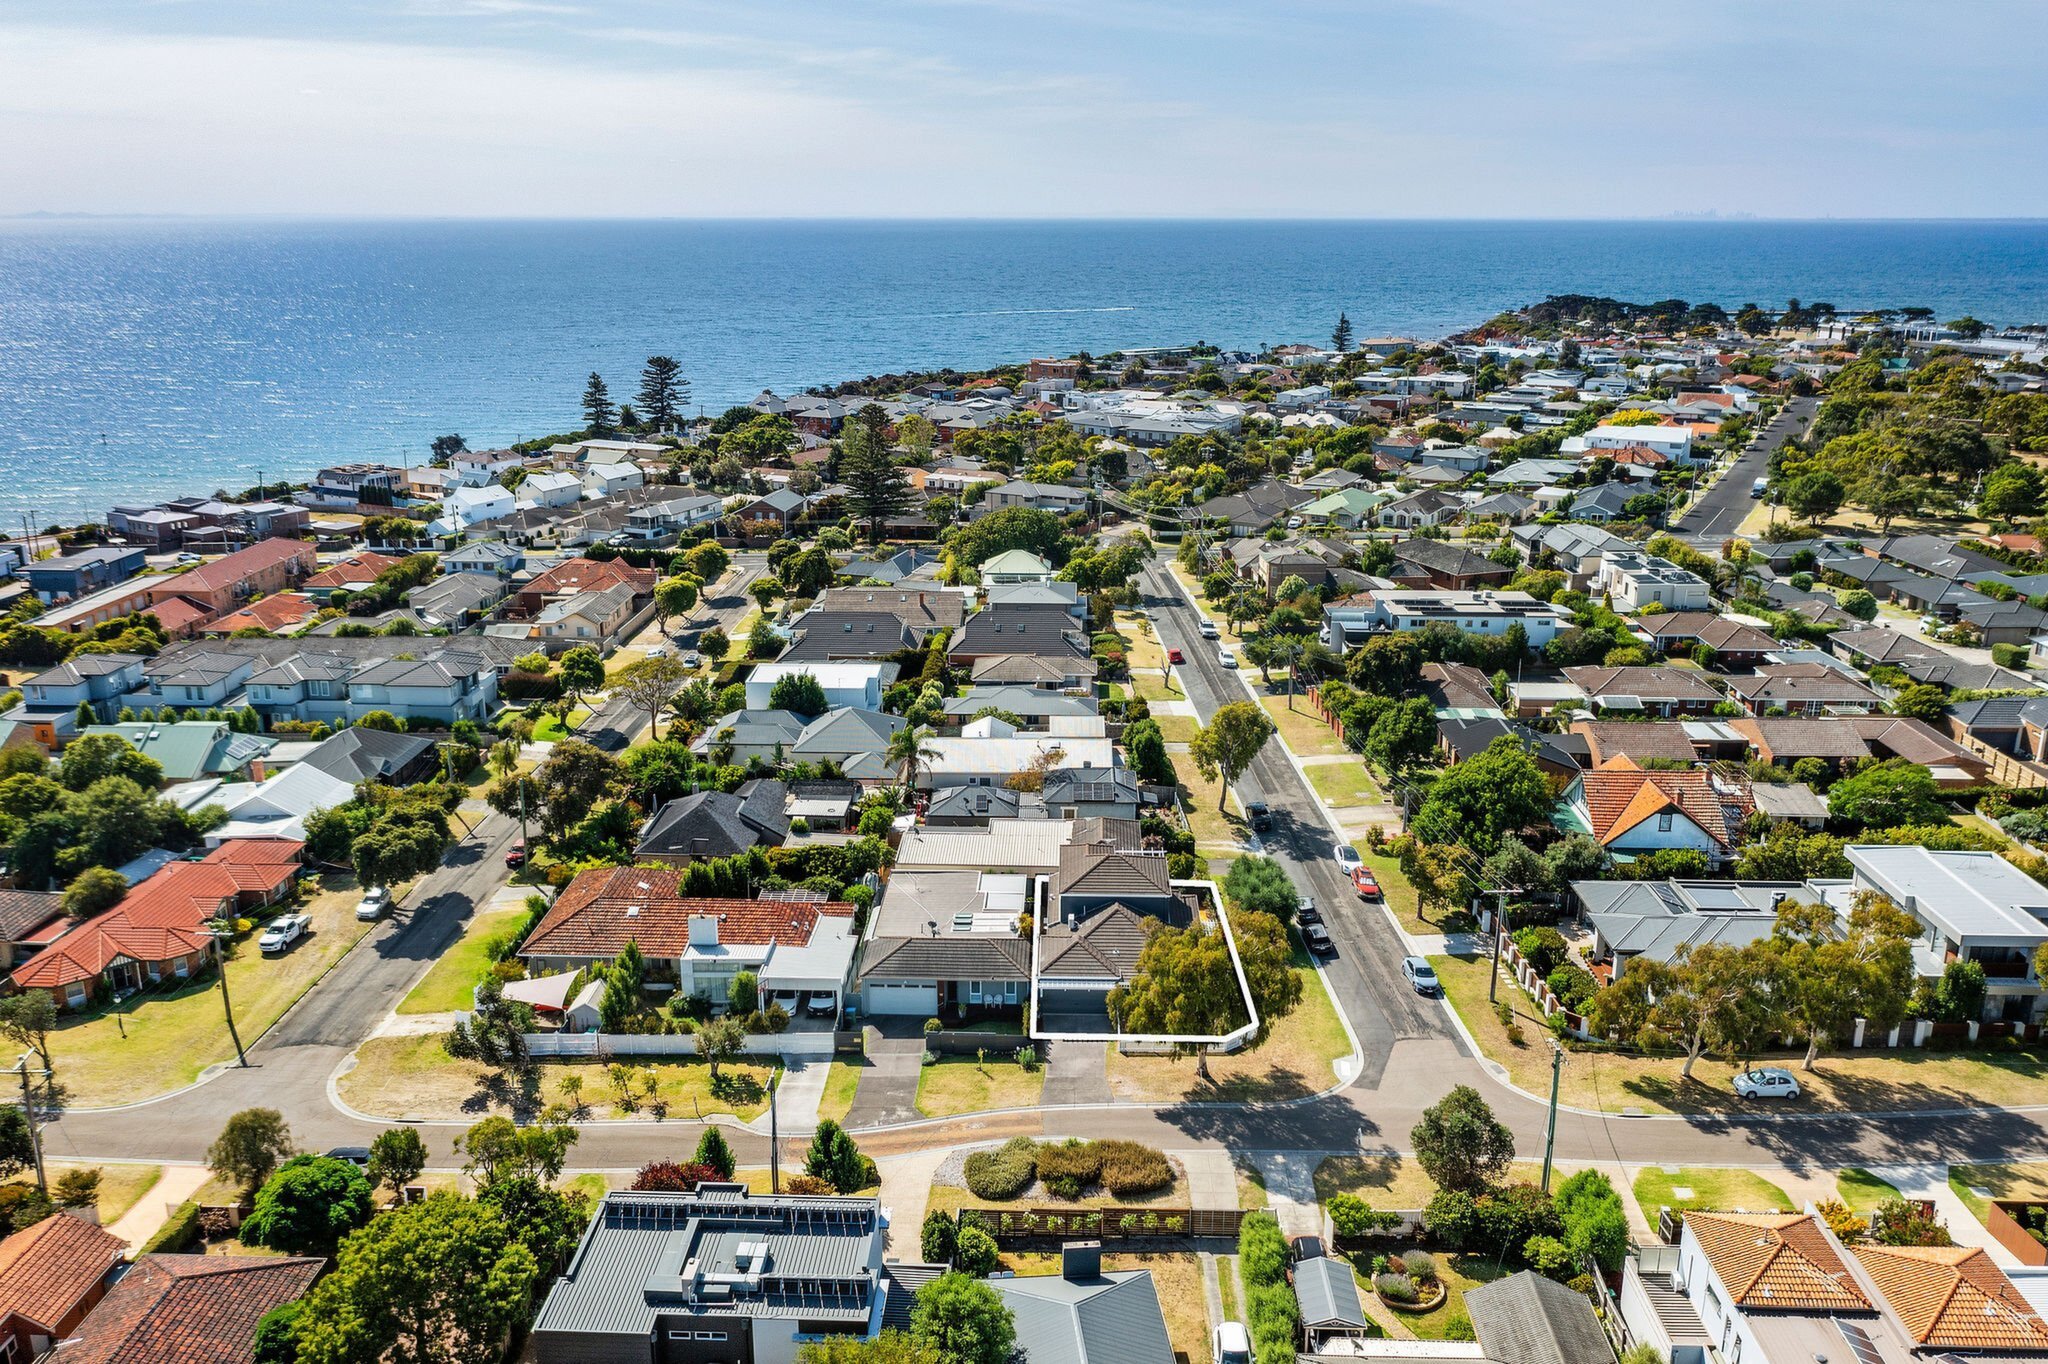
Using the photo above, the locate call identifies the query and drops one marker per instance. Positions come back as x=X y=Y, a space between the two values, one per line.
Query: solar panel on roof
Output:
x=1860 y=1343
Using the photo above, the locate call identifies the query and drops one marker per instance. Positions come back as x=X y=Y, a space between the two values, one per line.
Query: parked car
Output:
x=515 y=856
x=284 y=930
x=1207 y=629
x=1230 y=1343
x=1319 y=940
x=1175 y=656
x=1772 y=1082
x=1226 y=658
x=358 y=1156
x=1367 y=884
x=822 y=1004
x=657 y=651
x=1421 y=976
x=1347 y=857
x=790 y=1000
x=693 y=659
x=374 y=905
x=1305 y=911
x=1305 y=1248
x=1261 y=818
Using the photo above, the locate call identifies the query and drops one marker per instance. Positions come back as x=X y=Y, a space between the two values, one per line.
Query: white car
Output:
x=1348 y=860
x=1420 y=975
x=1226 y=658
x=1772 y=1082
x=374 y=905
x=1207 y=629
x=1230 y=1343
x=284 y=930
x=657 y=651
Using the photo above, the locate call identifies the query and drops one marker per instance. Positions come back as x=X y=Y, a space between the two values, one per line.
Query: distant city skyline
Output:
x=1417 y=110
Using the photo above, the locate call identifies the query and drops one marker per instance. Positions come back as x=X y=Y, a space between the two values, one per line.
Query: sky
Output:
x=1024 y=108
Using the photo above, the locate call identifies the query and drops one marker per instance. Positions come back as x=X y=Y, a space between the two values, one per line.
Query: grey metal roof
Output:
x=356 y=754
x=1528 y=1319
x=1114 y=1318
x=947 y=956
x=1328 y=1293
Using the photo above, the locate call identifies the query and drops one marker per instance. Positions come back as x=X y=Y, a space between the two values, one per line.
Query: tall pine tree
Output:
x=877 y=487
x=664 y=392
x=1340 y=339
x=598 y=413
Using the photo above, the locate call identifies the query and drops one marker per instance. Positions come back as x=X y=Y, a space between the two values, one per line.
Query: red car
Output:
x=1175 y=656
x=1367 y=884
x=515 y=856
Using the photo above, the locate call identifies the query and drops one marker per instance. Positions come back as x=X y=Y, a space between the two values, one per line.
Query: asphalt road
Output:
x=1720 y=510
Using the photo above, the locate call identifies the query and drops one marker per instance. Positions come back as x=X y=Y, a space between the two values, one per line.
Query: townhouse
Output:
x=213 y=590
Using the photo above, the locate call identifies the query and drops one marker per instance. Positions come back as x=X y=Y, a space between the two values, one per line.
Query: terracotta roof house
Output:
x=352 y=574
x=1803 y=689
x=572 y=577
x=1953 y=1298
x=188 y=1309
x=276 y=613
x=1780 y=1261
x=51 y=1275
x=1630 y=810
x=1639 y=740
x=219 y=587
x=1651 y=691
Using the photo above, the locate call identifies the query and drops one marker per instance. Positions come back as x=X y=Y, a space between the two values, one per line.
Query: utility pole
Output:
x=1550 y=1129
x=1499 y=927
x=227 y=1008
x=774 y=1137
x=28 y=1113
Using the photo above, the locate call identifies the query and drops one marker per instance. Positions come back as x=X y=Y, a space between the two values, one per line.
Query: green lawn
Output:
x=1862 y=1191
x=1709 y=1189
x=1344 y=783
x=1301 y=728
x=446 y=988
x=840 y=1083
x=1298 y=1058
x=963 y=1084
x=415 y=1078
x=1457 y=1273
x=549 y=729
x=2021 y=1180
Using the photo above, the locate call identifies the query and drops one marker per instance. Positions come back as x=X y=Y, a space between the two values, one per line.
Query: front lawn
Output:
x=2018 y=1180
x=1862 y=1191
x=155 y=1042
x=962 y=1084
x=415 y=1078
x=840 y=1083
x=1703 y=1188
x=549 y=729
x=121 y=1186
x=1397 y=1183
x=1301 y=729
x=1344 y=784
x=1298 y=1059
x=449 y=984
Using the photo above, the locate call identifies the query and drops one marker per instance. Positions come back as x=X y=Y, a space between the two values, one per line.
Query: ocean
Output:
x=146 y=359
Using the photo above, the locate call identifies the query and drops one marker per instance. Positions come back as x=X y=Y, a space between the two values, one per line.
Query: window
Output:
x=1664 y=823
x=711 y=1335
x=974 y=992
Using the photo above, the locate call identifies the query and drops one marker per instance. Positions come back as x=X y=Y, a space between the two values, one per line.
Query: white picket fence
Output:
x=598 y=1044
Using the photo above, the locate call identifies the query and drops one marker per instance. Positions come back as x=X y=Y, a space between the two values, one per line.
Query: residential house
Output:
x=782 y=509
x=851 y=636
x=1504 y=507
x=1016 y=566
x=451 y=681
x=1635 y=581
x=1663 y=741
x=1652 y=690
x=562 y=489
x=1854 y=739
x=1791 y=802
x=158 y=530
x=190 y=749
x=1052 y=497
x=52 y=1273
x=1036 y=631
x=2010 y=724
x=485 y=556
x=858 y=685
x=353 y=487
x=854 y=741
x=606 y=480
x=1672 y=442
x=989 y=751
x=1458 y=690
x=1101 y=906
x=1035 y=707
x=1809 y=690
x=1601 y=503
x=1631 y=811
x=890 y=569
x=86 y=571
x=351 y=574
x=50 y=699
x=925 y=611
x=573 y=576
x=1728 y=643
x=1526 y=1318
x=946 y=944
x=592 y=619
x=1440 y=564
x=96 y=608
x=1065 y=596
x=715 y=824
x=1575 y=551
x=1349 y=507
x=357 y=755
x=1092 y=793
x=1352 y=620
x=803 y=945
x=188 y=1309
x=464 y=509
x=978 y=806
x=1973 y=906
x=279 y=614
x=742 y=736
x=1657 y=920
x=1561 y=756
x=1257 y=508
x=278 y=806
x=456 y=599
x=219 y=587
x=1425 y=507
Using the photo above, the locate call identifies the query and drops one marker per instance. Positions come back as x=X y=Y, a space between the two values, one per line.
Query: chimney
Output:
x=703 y=930
x=1081 y=1261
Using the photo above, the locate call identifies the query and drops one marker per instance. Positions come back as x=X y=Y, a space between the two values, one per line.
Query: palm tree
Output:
x=908 y=747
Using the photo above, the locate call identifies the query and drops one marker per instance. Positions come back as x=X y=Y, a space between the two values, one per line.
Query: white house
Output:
x=602 y=480
x=1351 y=620
x=1633 y=580
x=858 y=685
x=1975 y=906
x=467 y=507
x=550 y=490
x=1673 y=442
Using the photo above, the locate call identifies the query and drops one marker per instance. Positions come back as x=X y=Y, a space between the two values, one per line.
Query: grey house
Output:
x=716 y=824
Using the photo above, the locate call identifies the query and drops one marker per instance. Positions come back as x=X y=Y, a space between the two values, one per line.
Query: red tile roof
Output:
x=274 y=612
x=1954 y=1298
x=590 y=919
x=188 y=1309
x=230 y=569
x=177 y=615
x=590 y=575
x=358 y=570
x=1620 y=795
x=1779 y=1260
x=163 y=918
x=47 y=1270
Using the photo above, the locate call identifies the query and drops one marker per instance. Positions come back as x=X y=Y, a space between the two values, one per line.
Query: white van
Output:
x=1208 y=629
x=1757 y=488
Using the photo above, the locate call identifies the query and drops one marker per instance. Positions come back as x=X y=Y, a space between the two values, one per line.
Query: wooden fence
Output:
x=1009 y=1225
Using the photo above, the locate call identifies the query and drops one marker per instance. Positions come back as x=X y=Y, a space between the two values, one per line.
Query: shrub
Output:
x=1261 y=1249
x=1352 y=1217
x=1004 y=1173
x=1846 y=1225
x=1548 y=1256
x=1573 y=985
x=1131 y=1168
x=809 y=1186
x=976 y=1253
x=1069 y=1168
x=1543 y=947
x=668 y=1176
x=939 y=1238
x=179 y=1233
x=1458 y=1326
x=1396 y=1288
x=2009 y=655
x=1419 y=1265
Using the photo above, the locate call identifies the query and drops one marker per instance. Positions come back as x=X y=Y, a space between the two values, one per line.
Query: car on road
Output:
x=1365 y=883
x=186 y=558
x=1226 y=658
x=657 y=651
x=1757 y=488
x=284 y=930
x=358 y=1156
x=515 y=856
x=1319 y=940
x=1261 y=818
x=1207 y=630
x=1421 y=976
x=1305 y=911
x=1771 y=1082
x=1175 y=656
x=1230 y=1343
x=693 y=659
x=822 y=1004
x=1347 y=857
x=374 y=905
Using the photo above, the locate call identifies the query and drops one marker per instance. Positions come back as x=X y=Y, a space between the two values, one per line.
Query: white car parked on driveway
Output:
x=1772 y=1082
x=284 y=930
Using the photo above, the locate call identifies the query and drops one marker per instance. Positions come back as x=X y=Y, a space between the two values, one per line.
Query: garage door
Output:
x=885 y=998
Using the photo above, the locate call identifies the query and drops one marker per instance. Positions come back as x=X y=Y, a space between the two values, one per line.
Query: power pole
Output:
x=227 y=1007
x=1499 y=927
x=1550 y=1129
x=28 y=1113
x=774 y=1137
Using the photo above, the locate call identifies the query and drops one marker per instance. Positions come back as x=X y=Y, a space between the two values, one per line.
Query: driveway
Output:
x=888 y=1083
x=1076 y=1073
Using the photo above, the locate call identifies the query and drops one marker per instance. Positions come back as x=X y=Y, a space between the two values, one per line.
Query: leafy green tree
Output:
x=582 y=670
x=600 y=417
x=1712 y=998
x=1859 y=603
x=1823 y=979
x=743 y=995
x=94 y=890
x=1886 y=795
x=93 y=757
x=277 y=1335
x=1340 y=338
x=1595 y=1223
x=712 y=1151
x=976 y=1253
x=442 y=1281
x=1460 y=1144
x=1402 y=736
x=498 y=1148
x=798 y=692
x=1920 y=701
x=1815 y=496
x=1185 y=984
x=721 y=1040
x=2011 y=491
x=964 y=1320
x=1230 y=741
x=938 y=1238
x=674 y=597
x=308 y=1206
x=889 y=1347
x=1483 y=799
x=17 y=1153
x=249 y=1147
x=397 y=1155
x=1145 y=745
x=27 y=1020
x=664 y=392
x=878 y=490
x=707 y=562
x=834 y=1158
x=650 y=684
x=714 y=645
x=547 y=1221
x=1260 y=885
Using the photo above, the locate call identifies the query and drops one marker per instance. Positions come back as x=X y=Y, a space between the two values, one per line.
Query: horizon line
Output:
x=1667 y=219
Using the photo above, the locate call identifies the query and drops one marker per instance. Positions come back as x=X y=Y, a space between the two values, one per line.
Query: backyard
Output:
x=1456 y=1272
x=155 y=1042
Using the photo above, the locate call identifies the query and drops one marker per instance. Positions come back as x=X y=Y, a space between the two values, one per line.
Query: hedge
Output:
x=179 y=1233
x=1069 y=1168
x=1130 y=1168
x=1004 y=1173
x=1271 y=1313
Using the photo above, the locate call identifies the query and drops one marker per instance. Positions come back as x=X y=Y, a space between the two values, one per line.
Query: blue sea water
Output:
x=145 y=359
